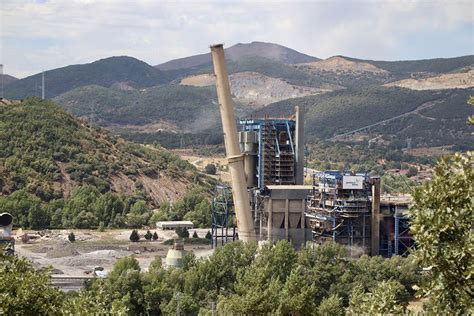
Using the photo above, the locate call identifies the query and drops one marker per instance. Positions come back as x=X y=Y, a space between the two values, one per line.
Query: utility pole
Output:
x=42 y=85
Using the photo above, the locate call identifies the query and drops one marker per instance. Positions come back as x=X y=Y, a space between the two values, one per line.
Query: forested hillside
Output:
x=182 y=107
x=123 y=70
x=146 y=104
x=434 y=118
x=56 y=170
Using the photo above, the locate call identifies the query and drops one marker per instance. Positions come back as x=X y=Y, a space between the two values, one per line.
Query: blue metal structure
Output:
x=402 y=238
x=223 y=227
x=276 y=162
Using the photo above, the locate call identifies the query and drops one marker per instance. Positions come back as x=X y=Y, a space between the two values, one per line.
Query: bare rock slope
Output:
x=255 y=89
x=341 y=64
x=462 y=80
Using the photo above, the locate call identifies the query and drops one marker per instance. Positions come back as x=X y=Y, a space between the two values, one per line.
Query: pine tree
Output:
x=195 y=235
x=71 y=237
x=148 y=235
x=182 y=232
x=134 y=237
x=208 y=235
x=155 y=236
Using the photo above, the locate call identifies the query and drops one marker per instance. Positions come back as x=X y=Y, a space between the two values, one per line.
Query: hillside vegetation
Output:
x=57 y=170
x=104 y=72
x=442 y=113
x=183 y=106
x=144 y=103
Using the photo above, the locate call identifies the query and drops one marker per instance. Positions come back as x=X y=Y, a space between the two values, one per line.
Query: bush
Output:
x=208 y=235
x=155 y=236
x=412 y=171
x=101 y=227
x=71 y=237
x=148 y=235
x=195 y=235
x=182 y=232
x=210 y=169
x=134 y=237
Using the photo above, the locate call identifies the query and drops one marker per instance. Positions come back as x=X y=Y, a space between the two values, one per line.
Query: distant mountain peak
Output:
x=103 y=72
x=6 y=79
x=243 y=50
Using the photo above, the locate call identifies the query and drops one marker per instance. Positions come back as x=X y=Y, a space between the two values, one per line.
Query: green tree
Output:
x=38 y=217
x=85 y=220
x=139 y=207
x=210 y=169
x=134 y=237
x=155 y=236
x=182 y=232
x=19 y=204
x=200 y=215
x=107 y=206
x=195 y=234
x=331 y=305
x=81 y=201
x=124 y=283
x=148 y=235
x=382 y=299
x=98 y=302
x=442 y=226
x=24 y=291
x=208 y=235
x=71 y=237
x=412 y=171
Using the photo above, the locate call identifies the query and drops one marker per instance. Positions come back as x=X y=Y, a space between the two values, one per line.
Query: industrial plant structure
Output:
x=270 y=200
x=7 y=242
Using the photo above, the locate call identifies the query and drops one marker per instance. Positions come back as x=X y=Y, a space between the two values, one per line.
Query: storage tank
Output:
x=175 y=256
x=6 y=221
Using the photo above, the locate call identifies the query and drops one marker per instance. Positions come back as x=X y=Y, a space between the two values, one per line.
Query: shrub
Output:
x=148 y=235
x=101 y=227
x=208 y=235
x=412 y=171
x=134 y=237
x=182 y=232
x=210 y=169
x=71 y=237
x=155 y=236
x=195 y=235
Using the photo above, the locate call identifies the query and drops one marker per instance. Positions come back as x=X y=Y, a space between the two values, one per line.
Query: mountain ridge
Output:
x=104 y=72
x=238 y=51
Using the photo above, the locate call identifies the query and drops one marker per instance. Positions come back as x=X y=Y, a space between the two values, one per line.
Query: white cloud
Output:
x=38 y=35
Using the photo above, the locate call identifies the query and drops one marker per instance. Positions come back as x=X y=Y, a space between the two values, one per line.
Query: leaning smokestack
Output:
x=235 y=159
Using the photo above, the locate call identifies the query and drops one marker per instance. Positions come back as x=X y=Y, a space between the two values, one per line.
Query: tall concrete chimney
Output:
x=235 y=158
x=299 y=145
x=375 y=229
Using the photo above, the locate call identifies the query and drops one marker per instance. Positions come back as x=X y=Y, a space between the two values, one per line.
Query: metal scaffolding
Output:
x=403 y=241
x=223 y=227
x=276 y=156
x=340 y=214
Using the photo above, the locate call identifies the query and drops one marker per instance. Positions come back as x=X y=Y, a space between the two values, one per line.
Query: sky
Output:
x=46 y=34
